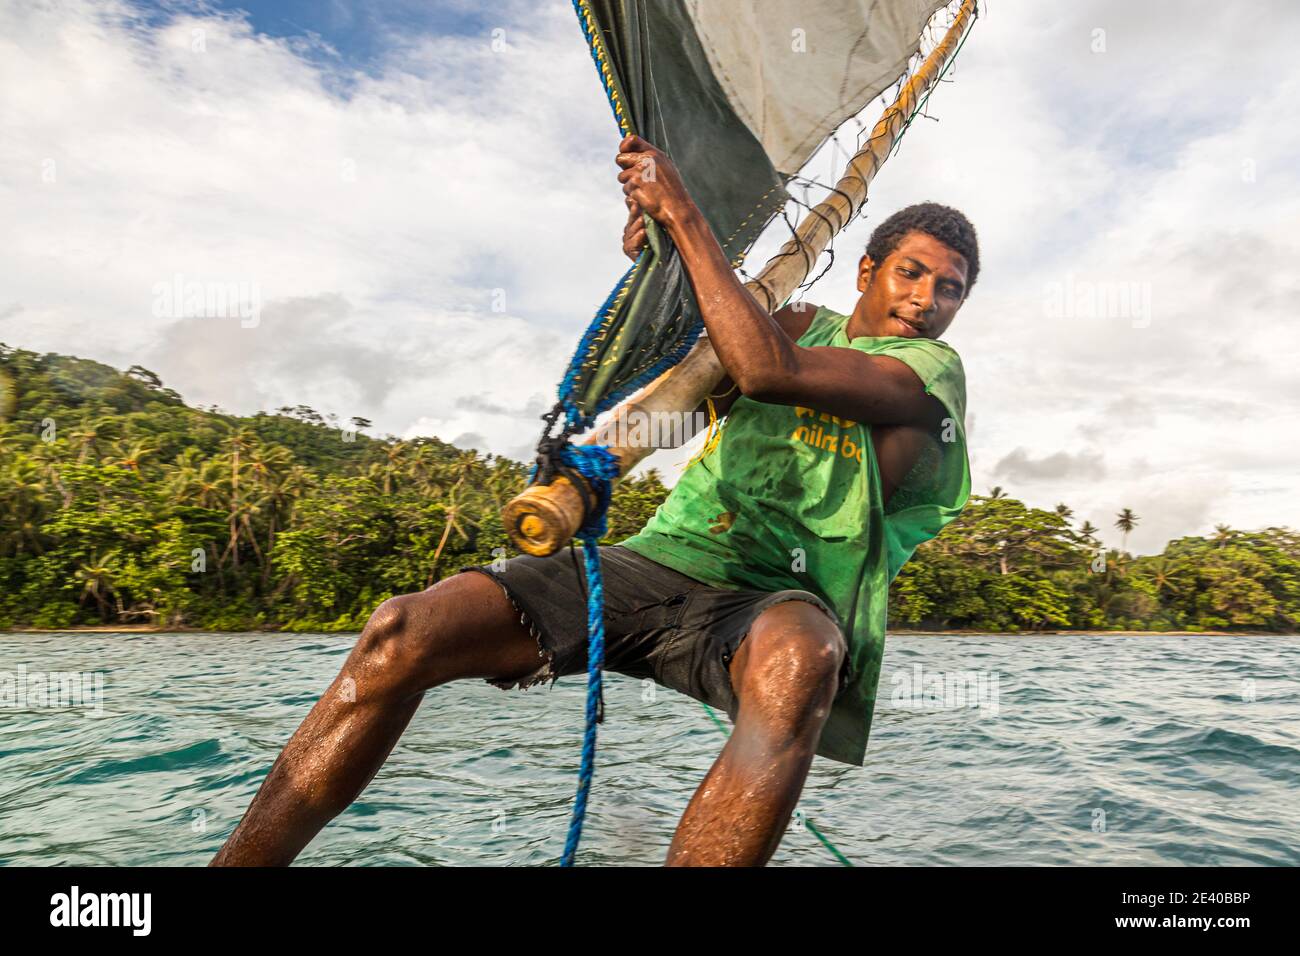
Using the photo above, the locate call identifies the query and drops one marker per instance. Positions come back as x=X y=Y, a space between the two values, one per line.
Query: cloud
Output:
x=430 y=236
x=482 y=405
x=1019 y=466
x=291 y=357
x=469 y=440
x=399 y=235
x=1167 y=506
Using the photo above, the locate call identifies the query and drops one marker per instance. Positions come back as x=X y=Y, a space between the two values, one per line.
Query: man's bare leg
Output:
x=462 y=627
x=785 y=678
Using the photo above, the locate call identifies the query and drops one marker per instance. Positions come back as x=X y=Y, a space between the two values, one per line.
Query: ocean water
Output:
x=1063 y=750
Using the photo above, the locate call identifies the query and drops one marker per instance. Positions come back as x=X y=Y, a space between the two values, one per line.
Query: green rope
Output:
x=807 y=821
x=827 y=843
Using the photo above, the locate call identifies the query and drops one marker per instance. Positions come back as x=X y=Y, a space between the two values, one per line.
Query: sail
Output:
x=739 y=94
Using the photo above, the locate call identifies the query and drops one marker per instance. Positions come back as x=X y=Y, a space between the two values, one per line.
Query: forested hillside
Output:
x=121 y=504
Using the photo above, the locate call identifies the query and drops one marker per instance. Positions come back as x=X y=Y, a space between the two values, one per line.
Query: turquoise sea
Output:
x=1080 y=750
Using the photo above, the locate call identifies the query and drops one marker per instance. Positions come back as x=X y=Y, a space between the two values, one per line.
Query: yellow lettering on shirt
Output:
x=824 y=416
x=827 y=438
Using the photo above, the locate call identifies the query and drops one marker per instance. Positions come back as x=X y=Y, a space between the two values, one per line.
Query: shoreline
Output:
x=964 y=632
x=900 y=632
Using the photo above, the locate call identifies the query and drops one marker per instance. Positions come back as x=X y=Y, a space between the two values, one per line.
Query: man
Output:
x=759 y=586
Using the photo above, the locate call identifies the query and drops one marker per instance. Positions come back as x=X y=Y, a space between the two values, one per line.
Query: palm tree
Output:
x=240 y=440
x=1120 y=565
x=89 y=434
x=1126 y=521
x=1223 y=534
x=503 y=480
x=464 y=466
x=1088 y=531
x=267 y=462
x=1065 y=511
x=424 y=471
x=1158 y=570
x=48 y=457
x=202 y=481
x=396 y=463
x=128 y=455
x=281 y=495
x=264 y=465
x=454 y=513
x=996 y=492
x=24 y=504
x=96 y=576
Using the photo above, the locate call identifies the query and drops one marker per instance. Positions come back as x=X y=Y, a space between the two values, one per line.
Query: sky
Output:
x=415 y=204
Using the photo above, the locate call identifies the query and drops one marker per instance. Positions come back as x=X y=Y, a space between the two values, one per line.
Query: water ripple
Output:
x=1102 y=750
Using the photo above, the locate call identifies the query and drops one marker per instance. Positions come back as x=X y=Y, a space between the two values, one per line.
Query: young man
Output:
x=759 y=586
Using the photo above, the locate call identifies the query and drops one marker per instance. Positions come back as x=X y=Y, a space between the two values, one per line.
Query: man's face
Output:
x=916 y=291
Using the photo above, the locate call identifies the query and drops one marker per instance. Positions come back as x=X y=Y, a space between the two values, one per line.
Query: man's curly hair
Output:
x=944 y=223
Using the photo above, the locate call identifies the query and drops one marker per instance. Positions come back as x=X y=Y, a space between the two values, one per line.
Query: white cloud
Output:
x=402 y=238
x=381 y=225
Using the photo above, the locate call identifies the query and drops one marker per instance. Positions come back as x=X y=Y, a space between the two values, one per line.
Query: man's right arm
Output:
x=794 y=322
x=794 y=319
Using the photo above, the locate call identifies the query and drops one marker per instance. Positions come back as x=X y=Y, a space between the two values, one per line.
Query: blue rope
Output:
x=598 y=466
x=595 y=698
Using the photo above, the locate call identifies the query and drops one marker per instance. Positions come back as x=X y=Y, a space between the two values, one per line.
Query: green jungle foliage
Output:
x=120 y=504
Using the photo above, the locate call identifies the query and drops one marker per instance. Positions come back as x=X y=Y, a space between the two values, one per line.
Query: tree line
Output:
x=120 y=504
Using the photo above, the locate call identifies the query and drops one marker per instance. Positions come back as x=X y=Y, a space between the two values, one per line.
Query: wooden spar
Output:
x=544 y=518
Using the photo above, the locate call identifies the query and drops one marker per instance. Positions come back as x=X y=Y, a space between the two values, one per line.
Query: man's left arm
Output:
x=761 y=359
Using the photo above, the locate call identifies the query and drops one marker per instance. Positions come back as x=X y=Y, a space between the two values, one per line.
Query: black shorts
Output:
x=659 y=624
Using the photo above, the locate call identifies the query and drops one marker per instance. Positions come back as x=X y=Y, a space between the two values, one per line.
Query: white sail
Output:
x=793 y=71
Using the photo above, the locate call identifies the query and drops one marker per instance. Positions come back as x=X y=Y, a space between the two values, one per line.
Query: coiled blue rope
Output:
x=598 y=466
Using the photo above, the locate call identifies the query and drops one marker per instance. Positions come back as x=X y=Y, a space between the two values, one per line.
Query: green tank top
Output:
x=790 y=497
